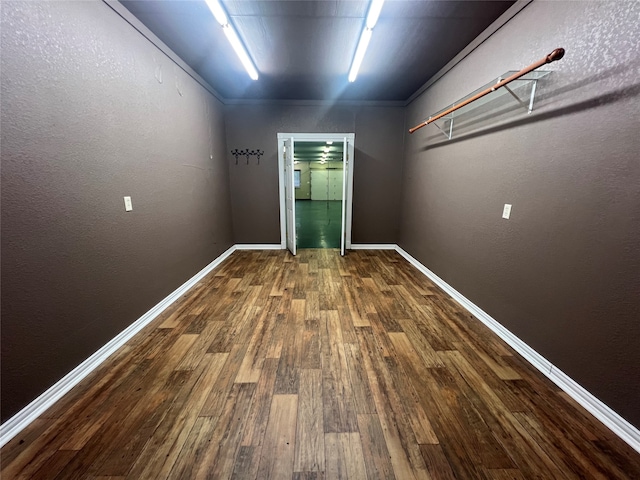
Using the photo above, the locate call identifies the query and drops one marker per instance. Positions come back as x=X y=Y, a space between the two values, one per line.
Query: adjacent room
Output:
x=320 y=239
x=319 y=196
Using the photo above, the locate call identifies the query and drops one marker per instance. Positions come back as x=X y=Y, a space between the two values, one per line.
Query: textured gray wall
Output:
x=85 y=121
x=564 y=273
x=377 y=167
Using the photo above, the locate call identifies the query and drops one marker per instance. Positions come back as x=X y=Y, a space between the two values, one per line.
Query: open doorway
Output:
x=318 y=169
x=316 y=184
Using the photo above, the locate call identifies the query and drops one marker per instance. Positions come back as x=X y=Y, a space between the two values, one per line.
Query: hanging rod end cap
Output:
x=557 y=54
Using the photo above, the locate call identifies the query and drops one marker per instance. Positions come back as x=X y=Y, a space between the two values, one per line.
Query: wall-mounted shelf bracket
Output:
x=522 y=90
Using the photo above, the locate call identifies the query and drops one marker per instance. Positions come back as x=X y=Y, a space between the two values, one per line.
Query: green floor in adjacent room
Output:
x=318 y=223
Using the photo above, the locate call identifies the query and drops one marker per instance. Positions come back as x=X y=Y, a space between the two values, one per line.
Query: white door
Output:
x=345 y=170
x=290 y=195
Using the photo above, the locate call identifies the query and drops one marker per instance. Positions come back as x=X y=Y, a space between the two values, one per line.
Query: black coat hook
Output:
x=236 y=153
x=258 y=153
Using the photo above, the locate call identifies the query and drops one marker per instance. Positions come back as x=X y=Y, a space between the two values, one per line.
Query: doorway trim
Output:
x=315 y=137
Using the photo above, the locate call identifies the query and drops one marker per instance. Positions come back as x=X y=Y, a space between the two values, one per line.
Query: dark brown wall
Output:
x=377 y=168
x=564 y=273
x=85 y=121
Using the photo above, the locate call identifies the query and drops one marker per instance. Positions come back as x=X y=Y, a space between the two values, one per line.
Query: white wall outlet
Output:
x=506 y=211
x=128 y=206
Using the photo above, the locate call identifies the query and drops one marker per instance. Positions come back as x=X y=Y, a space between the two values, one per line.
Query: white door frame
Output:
x=315 y=137
x=290 y=195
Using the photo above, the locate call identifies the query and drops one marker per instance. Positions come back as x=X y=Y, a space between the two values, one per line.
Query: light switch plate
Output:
x=128 y=206
x=506 y=212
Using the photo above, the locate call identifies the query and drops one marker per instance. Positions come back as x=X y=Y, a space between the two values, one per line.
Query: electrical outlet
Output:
x=128 y=206
x=506 y=211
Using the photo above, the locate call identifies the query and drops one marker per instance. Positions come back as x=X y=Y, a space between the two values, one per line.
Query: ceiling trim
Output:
x=319 y=103
x=479 y=40
x=131 y=19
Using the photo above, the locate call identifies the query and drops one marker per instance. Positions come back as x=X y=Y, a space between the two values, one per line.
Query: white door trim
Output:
x=314 y=137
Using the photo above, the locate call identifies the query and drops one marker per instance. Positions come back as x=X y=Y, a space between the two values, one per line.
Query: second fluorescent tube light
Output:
x=365 y=37
x=221 y=17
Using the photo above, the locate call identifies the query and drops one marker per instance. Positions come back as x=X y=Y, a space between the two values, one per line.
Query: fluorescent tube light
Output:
x=360 y=51
x=365 y=37
x=235 y=42
x=374 y=13
x=218 y=12
x=232 y=36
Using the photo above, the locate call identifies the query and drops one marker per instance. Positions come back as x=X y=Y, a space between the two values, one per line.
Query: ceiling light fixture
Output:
x=221 y=17
x=329 y=142
x=374 y=13
x=372 y=18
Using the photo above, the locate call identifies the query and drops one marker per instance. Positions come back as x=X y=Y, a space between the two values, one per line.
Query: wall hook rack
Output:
x=247 y=153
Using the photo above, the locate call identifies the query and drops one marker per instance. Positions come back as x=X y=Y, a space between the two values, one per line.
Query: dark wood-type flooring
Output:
x=312 y=367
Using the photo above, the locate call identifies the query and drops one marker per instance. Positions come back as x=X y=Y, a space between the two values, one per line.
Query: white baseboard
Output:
x=602 y=412
x=258 y=246
x=28 y=414
x=373 y=246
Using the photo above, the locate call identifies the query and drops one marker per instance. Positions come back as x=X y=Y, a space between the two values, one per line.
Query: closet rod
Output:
x=557 y=54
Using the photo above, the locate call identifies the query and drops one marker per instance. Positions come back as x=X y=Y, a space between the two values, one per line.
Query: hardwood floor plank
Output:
x=224 y=443
x=310 y=357
x=277 y=456
x=258 y=414
x=287 y=380
x=22 y=442
x=56 y=463
x=309 y=445
x=247 y=462
x=504 y=474
x=223 y=384
x=507 y=430
x=413 y=341
x=166 y=444
x=352 y=296
x=248 y=373
x=418 y=419
x=439 y=400
x=436 y=462
x=198 y=350
x=312 y=305
x=345 y=459
x=192 y=455
x=403 y=448
x=337 y=396
x=363 y=398
x=374 y=448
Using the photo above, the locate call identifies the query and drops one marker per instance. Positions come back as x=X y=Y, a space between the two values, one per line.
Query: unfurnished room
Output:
x=320 y=239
